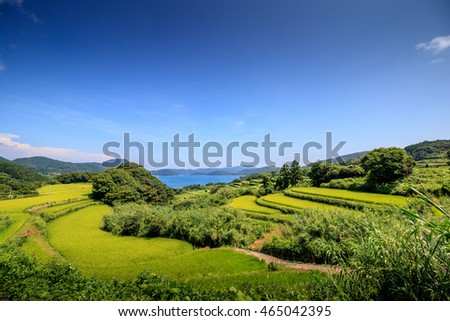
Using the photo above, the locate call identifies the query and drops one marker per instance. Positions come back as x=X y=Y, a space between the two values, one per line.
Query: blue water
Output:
x=186 y=180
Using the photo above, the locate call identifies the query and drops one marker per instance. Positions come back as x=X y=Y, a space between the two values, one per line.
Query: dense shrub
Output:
x=323 y=172
x=70 y=178
x=402 y=262
x=209 y=226
x=319 y=236
x=5 y=221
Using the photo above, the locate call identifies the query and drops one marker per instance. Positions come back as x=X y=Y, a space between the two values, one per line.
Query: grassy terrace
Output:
x=15 y=208
x=247 y=203
x=295 y=203
x=352 y=196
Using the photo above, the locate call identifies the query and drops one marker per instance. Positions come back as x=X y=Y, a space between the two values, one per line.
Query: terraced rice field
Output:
x=248 y=203
x=53 y=193
x=371 y=198
x=65 y=206
x=18 y=219
x=15 y=208
x=78 y=238
x=280 y=199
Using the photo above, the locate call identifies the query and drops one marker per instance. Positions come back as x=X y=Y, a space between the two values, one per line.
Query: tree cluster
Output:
x=323 y=172
x=129 y=183
x=288 y=176
x=384 y=165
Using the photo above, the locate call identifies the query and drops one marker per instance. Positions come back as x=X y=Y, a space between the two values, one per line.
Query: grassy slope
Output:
x=355 y=196
x=78 y=238
x=431 y=178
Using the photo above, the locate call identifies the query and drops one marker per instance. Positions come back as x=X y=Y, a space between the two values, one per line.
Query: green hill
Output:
x=48 y=166
x=428 y=149
x=18 y=179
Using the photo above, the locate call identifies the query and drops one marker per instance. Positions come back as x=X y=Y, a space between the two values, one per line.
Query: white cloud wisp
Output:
x=11 y=148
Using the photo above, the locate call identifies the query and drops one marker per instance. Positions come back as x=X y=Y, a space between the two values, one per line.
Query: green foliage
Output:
x=320 y=236
x=24 y=278
x=283 y=178
x=385 y=165
x=288 y=176
x=5 y=222
x=69 y=178
x=27 y=279
x=129 y=183
x=405 y=261
x=428 y=149
x=323 y=172
x=18 y=179
x=209 y=226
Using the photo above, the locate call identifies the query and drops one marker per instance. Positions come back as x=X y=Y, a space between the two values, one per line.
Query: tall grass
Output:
x=409 y=263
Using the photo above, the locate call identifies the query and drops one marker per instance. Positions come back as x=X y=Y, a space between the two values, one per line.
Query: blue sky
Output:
x=77 y=74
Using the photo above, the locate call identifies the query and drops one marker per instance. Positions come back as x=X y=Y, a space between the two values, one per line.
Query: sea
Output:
x=179 y=181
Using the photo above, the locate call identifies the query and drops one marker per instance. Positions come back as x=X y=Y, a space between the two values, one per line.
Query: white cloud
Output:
x=10 y=148
x=19 y=4
x=436 y=45
x=437 y=61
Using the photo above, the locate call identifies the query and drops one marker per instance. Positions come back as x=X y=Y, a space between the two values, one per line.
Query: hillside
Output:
x=18 y=179
x=428 y=149
x=348 y=157
x=48 y=166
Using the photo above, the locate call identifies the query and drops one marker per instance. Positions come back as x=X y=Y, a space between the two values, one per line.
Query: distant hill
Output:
x=17 y=179
x=428 y=149
x=18 y=172
x=348 y=157
x=236 y=170
x=48 y=166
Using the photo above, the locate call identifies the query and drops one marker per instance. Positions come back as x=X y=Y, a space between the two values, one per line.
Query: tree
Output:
x=448 y=157
x=322 y=172
x=295 y=173
x=385 y=165
x=283 y=178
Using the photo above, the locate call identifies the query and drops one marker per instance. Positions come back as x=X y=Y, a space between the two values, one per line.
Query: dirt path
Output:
x=297 y=266
x=31 y=231
x=258 y=245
